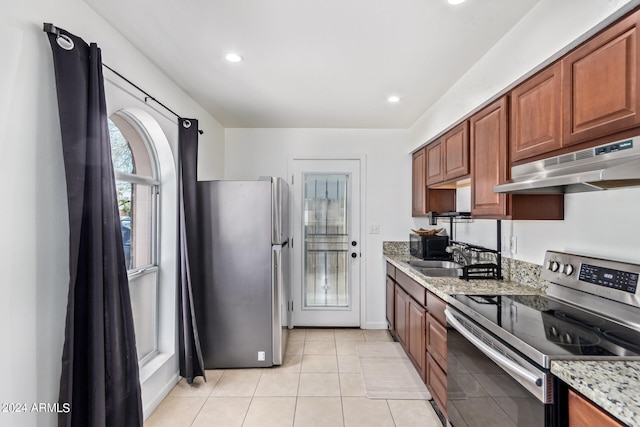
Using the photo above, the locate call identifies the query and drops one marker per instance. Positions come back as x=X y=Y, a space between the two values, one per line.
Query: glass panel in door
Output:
x=326 y=241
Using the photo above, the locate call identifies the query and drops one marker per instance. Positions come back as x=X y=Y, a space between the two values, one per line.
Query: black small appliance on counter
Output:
x=429 y=247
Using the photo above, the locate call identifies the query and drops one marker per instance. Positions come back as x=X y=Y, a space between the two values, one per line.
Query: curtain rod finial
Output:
x=48 y=27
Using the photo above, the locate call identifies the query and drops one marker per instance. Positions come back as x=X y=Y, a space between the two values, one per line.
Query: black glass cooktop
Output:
x=554 y=329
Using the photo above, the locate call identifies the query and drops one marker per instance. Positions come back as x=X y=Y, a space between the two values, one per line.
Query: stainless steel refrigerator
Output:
x=244 y=288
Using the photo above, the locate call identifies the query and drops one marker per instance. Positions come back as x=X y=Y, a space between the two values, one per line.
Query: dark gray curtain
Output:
x=191 y=364
x=99 y=363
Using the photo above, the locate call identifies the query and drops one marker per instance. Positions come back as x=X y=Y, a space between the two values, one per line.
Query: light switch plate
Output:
x=374 y=229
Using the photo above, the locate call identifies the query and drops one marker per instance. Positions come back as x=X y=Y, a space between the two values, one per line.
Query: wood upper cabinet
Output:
x=600 y=83
x=435 y=173
x=448 y=158
x=536 y=115
x=488 y=131
x=490 y=166
x=583 y=413
x=425 y=200
x=455 y=148
x=419 y=183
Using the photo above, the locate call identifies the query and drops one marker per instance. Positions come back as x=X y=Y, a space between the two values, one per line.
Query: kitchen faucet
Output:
x=461 y=252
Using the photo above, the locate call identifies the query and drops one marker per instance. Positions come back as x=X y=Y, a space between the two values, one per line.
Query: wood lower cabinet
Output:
x=417 y=319
x=400 y=315
x=420 y=327
x=600 y=83
x=391 y=292
x=436 y=380
x=437 y=341
x=583 y=413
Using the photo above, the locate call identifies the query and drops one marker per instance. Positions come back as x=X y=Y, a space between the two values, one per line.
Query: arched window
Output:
x=138 y=187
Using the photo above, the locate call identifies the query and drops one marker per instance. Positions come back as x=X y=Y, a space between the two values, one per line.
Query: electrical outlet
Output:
x=261 y=356
x=513 y=244
x=374 y=229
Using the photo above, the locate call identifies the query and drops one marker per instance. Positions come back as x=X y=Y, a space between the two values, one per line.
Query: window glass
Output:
x=121 y=154
x=137 y=189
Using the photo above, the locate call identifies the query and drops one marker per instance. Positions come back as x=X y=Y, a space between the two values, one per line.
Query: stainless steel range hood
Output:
x=609 y=166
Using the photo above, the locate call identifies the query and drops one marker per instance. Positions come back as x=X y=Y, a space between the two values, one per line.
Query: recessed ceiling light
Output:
x=234 y=57
x=393 y=99
x=455 y=1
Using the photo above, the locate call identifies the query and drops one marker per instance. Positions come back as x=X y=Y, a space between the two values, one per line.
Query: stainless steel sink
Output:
x=440 y=272
x=433 y=264
x=434 y=268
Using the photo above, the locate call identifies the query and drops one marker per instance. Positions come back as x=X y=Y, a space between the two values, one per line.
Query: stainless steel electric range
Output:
x=500 y=347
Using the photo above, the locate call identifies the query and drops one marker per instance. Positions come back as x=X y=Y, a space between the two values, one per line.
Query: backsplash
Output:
x=522 y=272
x=395 y=248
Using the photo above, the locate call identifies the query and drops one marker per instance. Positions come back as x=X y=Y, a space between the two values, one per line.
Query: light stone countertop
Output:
x=612 y=385
x=445 y=286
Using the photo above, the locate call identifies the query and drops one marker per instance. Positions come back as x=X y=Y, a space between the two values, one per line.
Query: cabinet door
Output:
x=417 y=331
x=437 y=384
x=583 y=413
x=437 y=341
x=600 y=84
x=456 y=152
x=488 y=130
x=391 y=292
x=419 y=184
x=435 y=174
x=401 y=303
x=536 y=126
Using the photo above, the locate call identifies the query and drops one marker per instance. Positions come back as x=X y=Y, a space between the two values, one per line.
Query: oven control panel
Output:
x=609 y=279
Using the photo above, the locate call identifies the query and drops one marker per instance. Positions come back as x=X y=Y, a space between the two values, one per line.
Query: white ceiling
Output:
x=314 y=63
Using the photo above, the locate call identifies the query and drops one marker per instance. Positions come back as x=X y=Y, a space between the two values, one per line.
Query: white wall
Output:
x=251 y=153
x=604 y=223
x=33 y=256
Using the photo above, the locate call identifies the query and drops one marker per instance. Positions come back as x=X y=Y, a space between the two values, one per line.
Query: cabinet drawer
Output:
x=413 y=288
x=436 y=307
x=437 y=384
x=391 y=270
x=583 y=413
x=437 y=341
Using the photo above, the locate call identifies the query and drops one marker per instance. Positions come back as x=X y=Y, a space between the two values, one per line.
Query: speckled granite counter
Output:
x=445 y=286
x=614 y=386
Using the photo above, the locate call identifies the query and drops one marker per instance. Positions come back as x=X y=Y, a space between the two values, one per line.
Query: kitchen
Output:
x=602 y=224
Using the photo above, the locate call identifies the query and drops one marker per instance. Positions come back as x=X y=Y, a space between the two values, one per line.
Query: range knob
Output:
x=566 y=338
x=553 y=266
x=554 y=332
x=568 y=269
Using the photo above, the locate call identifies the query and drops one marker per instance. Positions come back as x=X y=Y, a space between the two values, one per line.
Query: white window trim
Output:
x=160 y=373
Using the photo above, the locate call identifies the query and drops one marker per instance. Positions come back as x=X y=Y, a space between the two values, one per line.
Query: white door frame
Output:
x=362 y=244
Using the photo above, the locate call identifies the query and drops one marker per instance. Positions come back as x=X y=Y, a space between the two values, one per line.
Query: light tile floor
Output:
x=319 y=384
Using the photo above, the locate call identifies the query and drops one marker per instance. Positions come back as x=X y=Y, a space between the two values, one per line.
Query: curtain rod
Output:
x=50 y=28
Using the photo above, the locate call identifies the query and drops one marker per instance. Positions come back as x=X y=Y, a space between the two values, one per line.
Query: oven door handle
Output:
x=507 y=364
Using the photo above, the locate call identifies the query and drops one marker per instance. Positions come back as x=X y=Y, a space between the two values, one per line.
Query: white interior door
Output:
x=326 y=250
